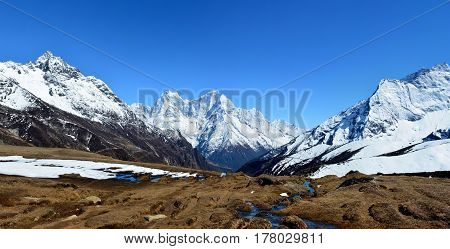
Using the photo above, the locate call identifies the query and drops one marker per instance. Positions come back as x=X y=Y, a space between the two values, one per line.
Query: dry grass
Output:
x=354 y=201
x=384 y=202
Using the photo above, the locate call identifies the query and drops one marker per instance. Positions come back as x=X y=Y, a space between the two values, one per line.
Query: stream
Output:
x=130 y=177
x=254 y=210
x=276 y=219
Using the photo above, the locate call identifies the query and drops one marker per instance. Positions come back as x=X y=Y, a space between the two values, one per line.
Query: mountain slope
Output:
x=376 y=134
x=49 y=103
x=52 y=80
x=224 y=134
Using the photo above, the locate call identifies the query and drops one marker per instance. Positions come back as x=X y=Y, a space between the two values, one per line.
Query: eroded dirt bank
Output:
x=354 y=201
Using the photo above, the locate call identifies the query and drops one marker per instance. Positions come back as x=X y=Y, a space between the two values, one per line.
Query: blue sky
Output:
x=231 y=44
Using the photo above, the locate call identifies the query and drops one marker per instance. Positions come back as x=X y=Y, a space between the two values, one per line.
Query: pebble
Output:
x=154 y=217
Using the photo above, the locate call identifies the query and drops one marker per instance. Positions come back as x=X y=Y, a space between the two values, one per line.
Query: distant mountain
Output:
x=403 y=127
x=52 y=104
x=226 y=135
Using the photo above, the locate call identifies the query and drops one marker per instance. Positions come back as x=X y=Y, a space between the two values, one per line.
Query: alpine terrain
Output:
x=404 y=127
x=49 y=103
x=226 y=135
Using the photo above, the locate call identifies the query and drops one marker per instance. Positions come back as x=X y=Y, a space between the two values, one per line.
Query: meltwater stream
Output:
x=130 y=177
x=276 y=219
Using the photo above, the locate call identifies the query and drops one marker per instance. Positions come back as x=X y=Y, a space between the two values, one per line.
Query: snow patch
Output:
x=53 y=168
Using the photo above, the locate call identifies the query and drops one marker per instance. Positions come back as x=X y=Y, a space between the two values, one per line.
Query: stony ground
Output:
x=374 y=202
x=80 y=203
x=360 y=201
x=353 y=201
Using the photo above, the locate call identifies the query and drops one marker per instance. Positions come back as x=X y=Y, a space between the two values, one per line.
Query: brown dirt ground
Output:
x=382 y=202
x=187 y=203
x=354 y=201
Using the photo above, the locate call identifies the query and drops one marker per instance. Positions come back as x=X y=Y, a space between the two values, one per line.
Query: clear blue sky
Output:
x=234 y=44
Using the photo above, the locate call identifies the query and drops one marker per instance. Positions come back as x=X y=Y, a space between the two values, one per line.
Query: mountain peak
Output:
x=48 y=62
x=374 y=135
x=171 y=94
x=48 y=53
x=441 y=67
x=225 y=134
x=45 y=57
x=429 y=74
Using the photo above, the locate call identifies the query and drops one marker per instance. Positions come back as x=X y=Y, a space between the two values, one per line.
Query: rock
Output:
x=72 y=217
x=293 y=222
x=284 y=195
x=31 y=200
x=223 y=175
x=92 y=200
x=154 y=217
x=259 y=223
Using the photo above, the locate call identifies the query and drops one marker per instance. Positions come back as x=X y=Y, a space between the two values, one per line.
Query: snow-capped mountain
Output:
x=52 y=104
x=52 y=80
x=224 y=134
x=403 y=127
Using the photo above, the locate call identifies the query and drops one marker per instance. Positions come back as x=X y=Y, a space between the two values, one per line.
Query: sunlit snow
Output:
x=54 y=168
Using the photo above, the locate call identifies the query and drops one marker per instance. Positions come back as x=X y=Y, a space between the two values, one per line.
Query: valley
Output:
x=74 y=155
x=217 y=201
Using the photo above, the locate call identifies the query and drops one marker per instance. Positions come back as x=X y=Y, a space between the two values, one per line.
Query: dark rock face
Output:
x=264 y=164
x=47 y=126
x=52 y=104
x=233 y=156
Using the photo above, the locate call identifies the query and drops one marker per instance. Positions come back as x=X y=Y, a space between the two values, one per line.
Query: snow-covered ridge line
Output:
x=59 y=84
x=223 y=133
x=52 y=95
x=54 y=168
x=375 y=135
x=428 y=157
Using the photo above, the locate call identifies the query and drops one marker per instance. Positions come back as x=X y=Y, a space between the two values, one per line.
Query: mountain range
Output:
x=226 y=135
x=402 y=128
x=50 y=103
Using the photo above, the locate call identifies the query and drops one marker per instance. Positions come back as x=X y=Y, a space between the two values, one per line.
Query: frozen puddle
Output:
x=54 y=168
